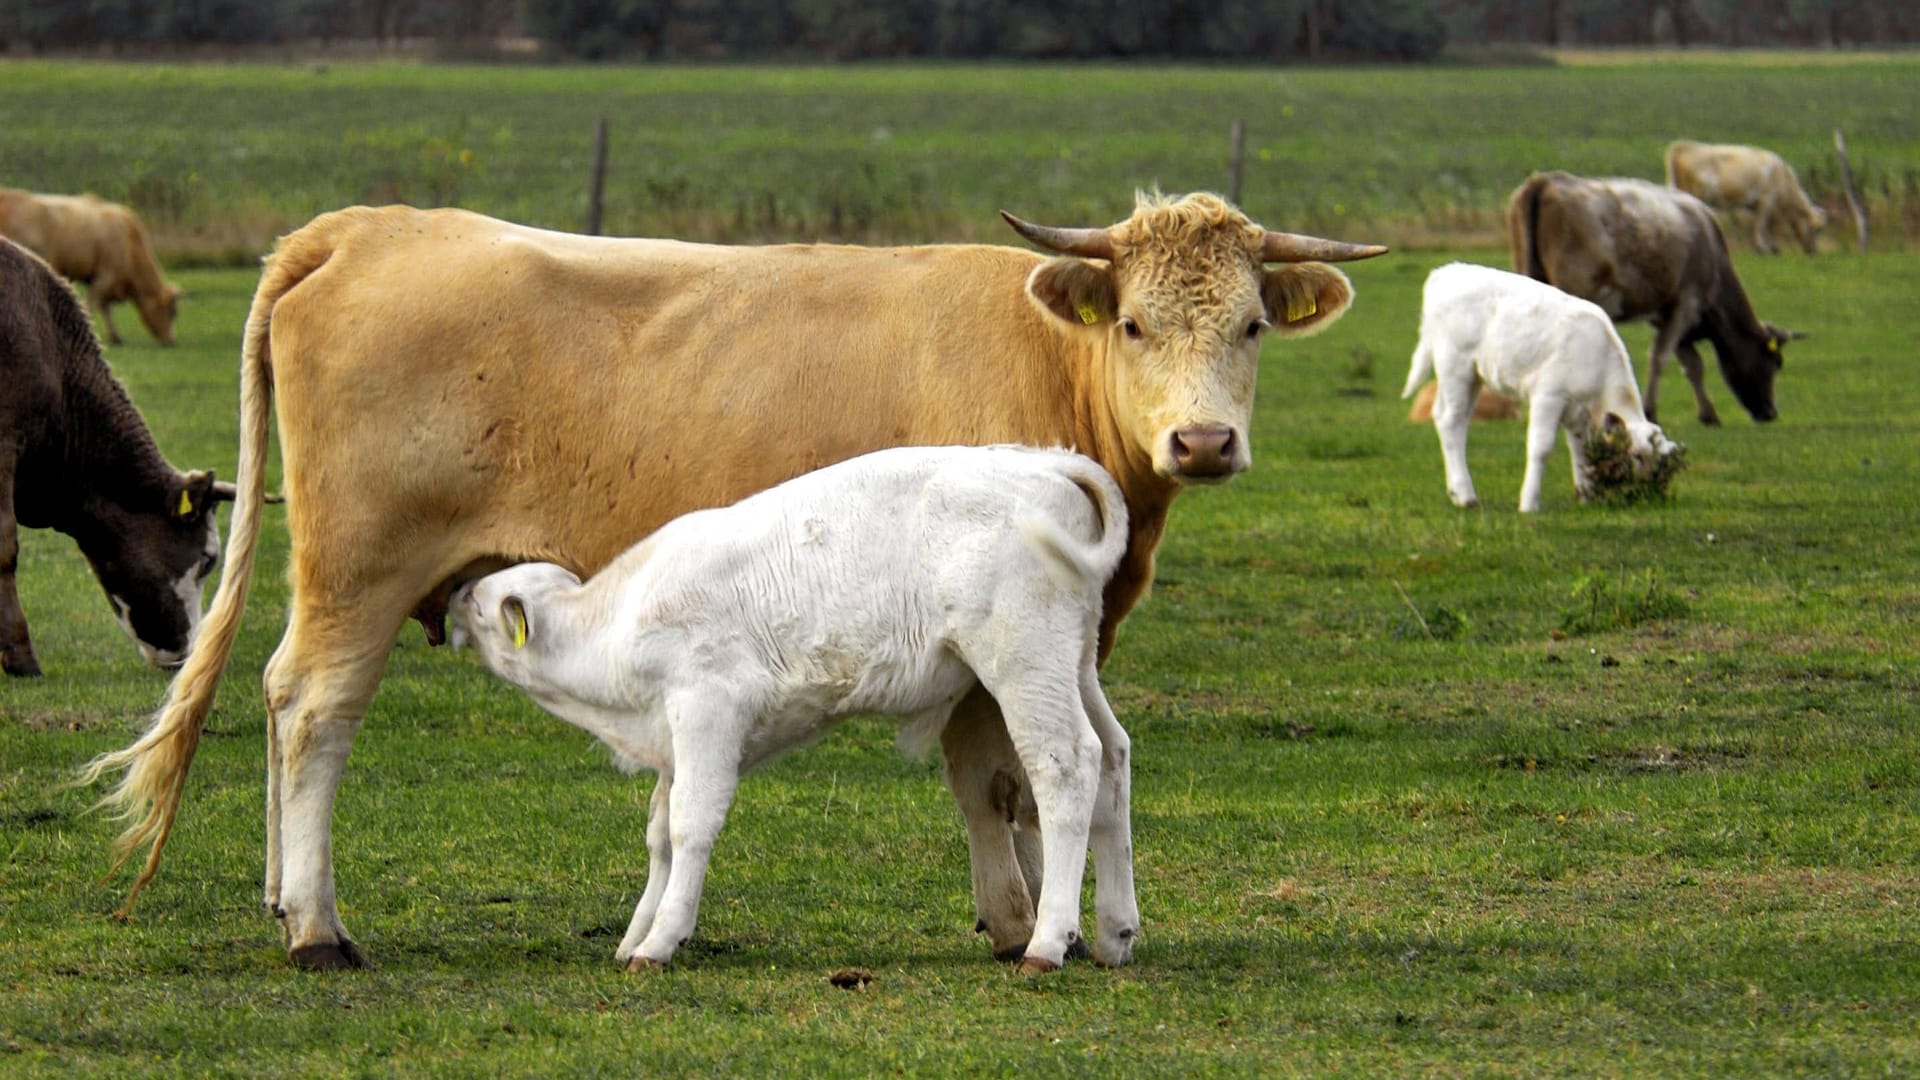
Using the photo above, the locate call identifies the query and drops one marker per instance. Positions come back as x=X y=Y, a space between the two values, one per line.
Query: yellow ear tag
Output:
x=186 y=505
x=1301 y=307
x=1088 y=314
x=1772 y=345
x=519 y=627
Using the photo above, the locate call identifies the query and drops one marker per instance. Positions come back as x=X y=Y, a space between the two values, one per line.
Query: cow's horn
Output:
x=225 y=492
x=1089 y=243
x=1294 y=247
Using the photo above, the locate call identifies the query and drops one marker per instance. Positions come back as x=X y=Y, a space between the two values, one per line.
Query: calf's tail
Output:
x=1419 y=371
x=156 y=764
x=1074 y=562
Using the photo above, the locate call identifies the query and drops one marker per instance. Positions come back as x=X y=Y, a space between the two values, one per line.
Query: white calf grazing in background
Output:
x=888 y=583
x=1530 y=341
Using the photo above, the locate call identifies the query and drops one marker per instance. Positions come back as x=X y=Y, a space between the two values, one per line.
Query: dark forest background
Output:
x=1267 y=30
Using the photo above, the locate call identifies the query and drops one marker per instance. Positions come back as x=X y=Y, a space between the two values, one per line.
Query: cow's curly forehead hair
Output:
x=1196 y=252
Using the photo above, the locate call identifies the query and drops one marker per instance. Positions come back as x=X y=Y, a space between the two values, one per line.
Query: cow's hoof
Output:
x=344 y=956
x=1038 y=965
x=1711 y=420
x=27 y=668
x=640 y=964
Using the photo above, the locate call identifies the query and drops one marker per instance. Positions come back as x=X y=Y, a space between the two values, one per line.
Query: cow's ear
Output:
x=513 y=621
x=1611 y=424
x=1305 y=298
x=1074 y=290
x=195 y=498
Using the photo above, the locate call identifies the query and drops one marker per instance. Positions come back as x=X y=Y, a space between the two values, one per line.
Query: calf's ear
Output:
x=1305 y=298
x=513 y=615
x=1074 y=290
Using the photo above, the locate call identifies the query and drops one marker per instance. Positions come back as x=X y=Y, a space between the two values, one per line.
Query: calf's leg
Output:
x=1116 y=911
x=1452 y=412
x=659 y=866
x=1543 y=425
x=707 y=736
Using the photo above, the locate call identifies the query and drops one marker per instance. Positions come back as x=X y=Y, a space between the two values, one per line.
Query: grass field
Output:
x=1418 y=790
x=222 y=158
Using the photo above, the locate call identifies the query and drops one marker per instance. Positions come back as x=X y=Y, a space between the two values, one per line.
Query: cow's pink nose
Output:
x=1203 y=451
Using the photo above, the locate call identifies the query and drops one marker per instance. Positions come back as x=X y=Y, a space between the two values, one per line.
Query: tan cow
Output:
x=102 y=244
x=1487 y=405
x=1749 y=181
x=542 y=396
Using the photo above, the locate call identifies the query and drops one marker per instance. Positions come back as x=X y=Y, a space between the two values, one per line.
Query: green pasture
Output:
x=1418 y=790
x=222 y=158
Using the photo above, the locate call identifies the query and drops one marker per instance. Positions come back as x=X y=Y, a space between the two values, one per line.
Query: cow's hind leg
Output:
x=659 y=866
x=983 y=772
x=317 y=688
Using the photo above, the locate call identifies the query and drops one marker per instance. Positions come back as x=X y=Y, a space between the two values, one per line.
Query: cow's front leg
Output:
x=659 y=866
x=1666 y=339
x=16 y=649
x=101 y=308
x=1697 y=378
x=984 y=774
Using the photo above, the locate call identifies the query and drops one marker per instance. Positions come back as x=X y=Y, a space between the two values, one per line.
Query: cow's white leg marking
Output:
x=1543 y=427
x=659 y=866
x=1116 y=911
x=704 y=778
x=983 y=774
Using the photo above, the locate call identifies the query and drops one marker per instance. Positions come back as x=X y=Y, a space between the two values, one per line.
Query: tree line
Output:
x=1226 y=30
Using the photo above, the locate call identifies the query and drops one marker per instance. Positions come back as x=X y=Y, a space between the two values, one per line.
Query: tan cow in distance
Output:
x=1488 y=404
x=1749 y=181
x=539 y=396
x=102 y=244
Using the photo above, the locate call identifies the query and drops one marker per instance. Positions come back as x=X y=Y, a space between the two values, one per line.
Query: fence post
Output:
x=597 y=183
x=1236 y=161
x=1853 y=196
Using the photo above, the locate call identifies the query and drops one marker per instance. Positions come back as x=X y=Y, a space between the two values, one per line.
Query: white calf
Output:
x=889 y=583
x=1534 y=343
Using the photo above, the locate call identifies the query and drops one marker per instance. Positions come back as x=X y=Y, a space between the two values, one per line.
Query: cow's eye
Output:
x=1132 y=328
x=1253 y=329
x=206 y=566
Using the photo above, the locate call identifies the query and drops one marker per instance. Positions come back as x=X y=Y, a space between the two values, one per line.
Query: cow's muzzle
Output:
x=1204 y=453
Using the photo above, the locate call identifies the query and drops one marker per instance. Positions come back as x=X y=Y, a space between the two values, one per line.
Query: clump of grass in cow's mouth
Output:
x=1611 y=466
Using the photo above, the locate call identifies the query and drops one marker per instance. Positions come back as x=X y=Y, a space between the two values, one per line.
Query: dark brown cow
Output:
x=1643 y=251
x=76 y=457
x=546 y=397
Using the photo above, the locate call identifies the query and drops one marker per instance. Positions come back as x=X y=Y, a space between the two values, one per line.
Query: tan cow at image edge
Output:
x=99 y=244
x=554 y=397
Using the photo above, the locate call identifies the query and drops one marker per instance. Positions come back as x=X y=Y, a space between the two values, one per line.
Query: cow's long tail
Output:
x=1523 y=221
x=1074 y=562
x=156 y=764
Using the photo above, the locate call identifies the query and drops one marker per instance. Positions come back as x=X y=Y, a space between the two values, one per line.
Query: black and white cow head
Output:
x=153 y=562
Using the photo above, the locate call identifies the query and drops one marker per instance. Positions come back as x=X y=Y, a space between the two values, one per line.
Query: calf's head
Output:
x=508 y=618
x=153 y=562
x=1179 y=298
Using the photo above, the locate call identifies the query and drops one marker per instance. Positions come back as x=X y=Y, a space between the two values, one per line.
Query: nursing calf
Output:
x=896 y=583
x=1526 y=339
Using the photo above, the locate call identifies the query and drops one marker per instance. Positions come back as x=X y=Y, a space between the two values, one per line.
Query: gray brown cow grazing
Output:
x=547 y=397
x=76 y=457
x=1643 y=251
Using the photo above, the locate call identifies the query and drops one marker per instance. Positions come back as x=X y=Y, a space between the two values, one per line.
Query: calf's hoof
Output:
x=641 y=964
x=1038 y=965
x=341 y=957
